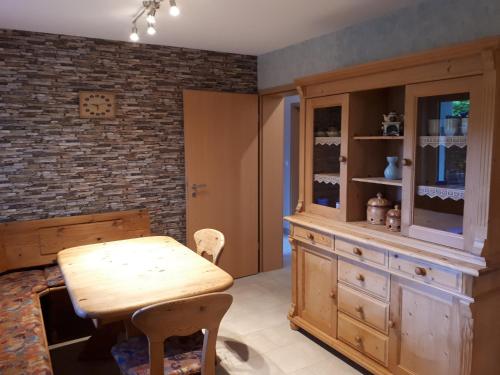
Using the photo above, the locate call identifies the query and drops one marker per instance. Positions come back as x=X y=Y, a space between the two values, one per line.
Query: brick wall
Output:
x=52 y=163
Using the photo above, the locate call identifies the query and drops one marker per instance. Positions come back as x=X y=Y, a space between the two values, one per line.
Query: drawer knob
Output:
x=359 y=309
x=342 y=159
x=310 y=236
x=391 y=324
x=360 y=277
x=357 y=251
x=358 y=340
x=406 y=162
x=420 y=271
x=332 y=294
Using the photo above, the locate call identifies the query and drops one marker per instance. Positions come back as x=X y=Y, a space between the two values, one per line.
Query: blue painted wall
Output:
x=425 y=25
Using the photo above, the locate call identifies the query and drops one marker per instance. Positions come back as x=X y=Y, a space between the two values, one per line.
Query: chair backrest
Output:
x=211 y=242
x=183 y=317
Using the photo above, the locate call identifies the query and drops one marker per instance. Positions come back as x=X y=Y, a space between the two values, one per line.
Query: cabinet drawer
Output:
x=312 y=236
x=360 y=252
x=364 y=339
x=426 y=272
x=363 y=308
x=364 y=277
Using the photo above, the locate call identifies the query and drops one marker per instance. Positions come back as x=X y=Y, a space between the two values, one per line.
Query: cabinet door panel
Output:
x=442 y=131
x=426 y=334
x=317 y=279
x=325 y=151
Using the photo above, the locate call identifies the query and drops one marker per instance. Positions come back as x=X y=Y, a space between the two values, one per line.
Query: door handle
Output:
x=195 y=188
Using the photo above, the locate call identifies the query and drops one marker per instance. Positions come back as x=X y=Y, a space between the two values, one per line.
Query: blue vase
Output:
x=392 y=171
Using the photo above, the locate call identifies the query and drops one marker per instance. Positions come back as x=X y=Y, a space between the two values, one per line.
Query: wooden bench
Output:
x=35 y=244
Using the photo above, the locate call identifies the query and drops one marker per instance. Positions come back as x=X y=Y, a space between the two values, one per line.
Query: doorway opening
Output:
x=290 y=168
x=279 y=175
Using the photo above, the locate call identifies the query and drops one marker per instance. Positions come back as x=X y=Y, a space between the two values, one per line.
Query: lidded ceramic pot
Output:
x=393 y=219
x=377 y=209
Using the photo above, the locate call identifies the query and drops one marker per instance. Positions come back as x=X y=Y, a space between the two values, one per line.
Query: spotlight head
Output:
x=151 y=29
x=174 y=9
x=134 y=36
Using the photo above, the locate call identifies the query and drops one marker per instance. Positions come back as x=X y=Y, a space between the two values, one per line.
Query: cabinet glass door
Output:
x=326 y=117
x=440 y=164
x=441 y=120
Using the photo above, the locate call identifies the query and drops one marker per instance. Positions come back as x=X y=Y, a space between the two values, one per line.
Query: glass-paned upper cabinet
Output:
x=326 y=143
x=439 y=115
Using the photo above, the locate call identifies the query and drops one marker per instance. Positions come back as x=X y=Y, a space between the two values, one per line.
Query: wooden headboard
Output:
x=37 y=242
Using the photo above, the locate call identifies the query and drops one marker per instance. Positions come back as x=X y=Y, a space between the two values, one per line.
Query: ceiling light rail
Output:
x=150 y=8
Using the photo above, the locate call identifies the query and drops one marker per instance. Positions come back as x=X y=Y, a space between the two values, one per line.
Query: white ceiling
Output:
x=240 y=26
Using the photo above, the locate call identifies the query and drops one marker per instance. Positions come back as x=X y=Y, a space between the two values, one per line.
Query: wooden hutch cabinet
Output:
x=423 y=300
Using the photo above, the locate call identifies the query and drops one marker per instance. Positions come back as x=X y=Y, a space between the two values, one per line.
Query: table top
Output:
x=110 y=281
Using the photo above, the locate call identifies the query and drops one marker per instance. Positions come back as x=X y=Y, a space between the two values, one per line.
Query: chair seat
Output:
x=54 y=276
x=182 y=355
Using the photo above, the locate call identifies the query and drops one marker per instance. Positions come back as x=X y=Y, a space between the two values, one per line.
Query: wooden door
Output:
x=317 y=288
x=221 y=152
x=426 y=334
x=326 y=142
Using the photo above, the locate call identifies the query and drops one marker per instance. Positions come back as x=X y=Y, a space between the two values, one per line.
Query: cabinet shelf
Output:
x=455 y=192
x=379 y=138
x=327 y=178
x=327 y=141
x=379 y=181
x=442 y=140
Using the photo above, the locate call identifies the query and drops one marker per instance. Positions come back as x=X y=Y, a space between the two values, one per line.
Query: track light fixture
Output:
x=149 y=8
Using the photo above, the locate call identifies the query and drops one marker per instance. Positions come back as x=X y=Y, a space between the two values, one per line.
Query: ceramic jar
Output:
x=377 y=209
x=392 y=117
x=393 y=219
x=392 y=171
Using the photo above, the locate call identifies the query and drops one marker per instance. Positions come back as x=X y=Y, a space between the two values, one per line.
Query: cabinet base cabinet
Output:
x=415 y=328
x=317 y=288
x=426 y=335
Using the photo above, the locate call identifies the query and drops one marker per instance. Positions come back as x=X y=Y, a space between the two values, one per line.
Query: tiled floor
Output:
x=254 y=338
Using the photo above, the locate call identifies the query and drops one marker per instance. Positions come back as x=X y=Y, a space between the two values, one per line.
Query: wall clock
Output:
x=97 y=104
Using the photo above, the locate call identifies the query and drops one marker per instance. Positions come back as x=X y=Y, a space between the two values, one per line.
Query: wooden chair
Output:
x=163 y=324
x=209 y=242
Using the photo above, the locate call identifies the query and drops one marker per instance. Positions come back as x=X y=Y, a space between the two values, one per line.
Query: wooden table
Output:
x=110 y=281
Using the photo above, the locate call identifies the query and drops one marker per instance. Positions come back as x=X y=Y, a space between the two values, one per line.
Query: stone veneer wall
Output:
x=53 y=163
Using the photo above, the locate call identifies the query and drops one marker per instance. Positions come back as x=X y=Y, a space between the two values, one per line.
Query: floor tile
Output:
x=327 y=367
x=298 y=355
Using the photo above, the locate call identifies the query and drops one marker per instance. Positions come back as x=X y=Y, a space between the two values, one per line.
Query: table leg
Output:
x=98 y=346
x=131 y=330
